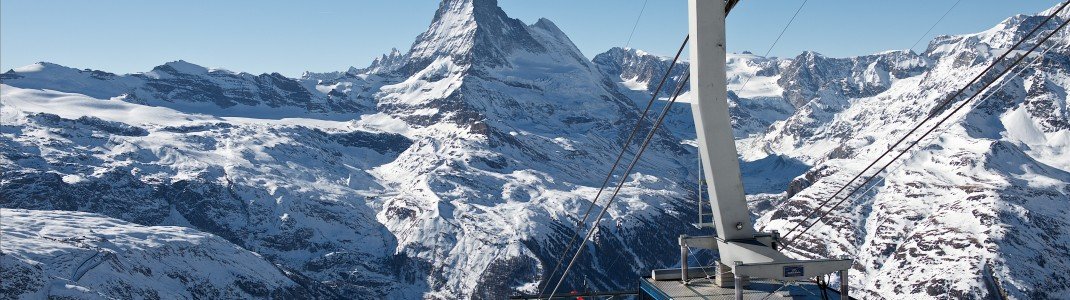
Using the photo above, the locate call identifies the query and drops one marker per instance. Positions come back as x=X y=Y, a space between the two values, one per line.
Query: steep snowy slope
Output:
x=513 y=129
x=457 y=169
x=822 y=87
x=62 y=254
x=756 y=100
x=1003 y=165
x=980 y=208
x=291 y=190
x=507 y=129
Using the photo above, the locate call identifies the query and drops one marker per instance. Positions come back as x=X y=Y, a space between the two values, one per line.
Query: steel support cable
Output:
x=988 y=95
x=782 y=286
x=623 y=150
x=636 y=25
x=782 y=31
x=934 y=25
x=936 y=111
x=701 y=266
x=922 y=37
x=638 y=155
x=942 y=120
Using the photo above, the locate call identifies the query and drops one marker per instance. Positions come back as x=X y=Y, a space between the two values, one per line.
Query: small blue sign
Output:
x=794 y=271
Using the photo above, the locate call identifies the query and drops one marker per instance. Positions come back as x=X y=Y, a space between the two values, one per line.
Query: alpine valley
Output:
x=460 y=168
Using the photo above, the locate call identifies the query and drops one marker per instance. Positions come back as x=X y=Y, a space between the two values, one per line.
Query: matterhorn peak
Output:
x=462 y=29
x=472 y=7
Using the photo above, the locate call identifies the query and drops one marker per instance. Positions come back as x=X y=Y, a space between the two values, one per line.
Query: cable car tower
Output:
x=745 y=254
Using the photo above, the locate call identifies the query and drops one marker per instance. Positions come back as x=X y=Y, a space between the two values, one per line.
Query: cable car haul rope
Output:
x=748 y=260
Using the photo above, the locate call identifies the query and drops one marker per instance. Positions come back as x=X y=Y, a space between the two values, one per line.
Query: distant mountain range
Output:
x=460 y=167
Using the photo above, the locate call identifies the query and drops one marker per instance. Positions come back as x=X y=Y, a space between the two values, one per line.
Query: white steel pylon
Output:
x=748 y=253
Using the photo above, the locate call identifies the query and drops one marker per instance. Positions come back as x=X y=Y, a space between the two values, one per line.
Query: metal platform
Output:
x=701 y=288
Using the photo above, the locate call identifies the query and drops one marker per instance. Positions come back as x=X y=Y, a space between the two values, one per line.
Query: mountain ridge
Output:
x=458 y=168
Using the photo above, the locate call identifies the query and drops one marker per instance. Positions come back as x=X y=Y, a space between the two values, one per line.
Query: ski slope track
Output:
x=458 y=169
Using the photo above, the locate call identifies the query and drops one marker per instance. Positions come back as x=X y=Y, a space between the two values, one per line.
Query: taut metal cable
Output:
x=936 y=111
x=825 y=154
x=988 y=95
x=638 y=155
x=623 y=150
x=934 y=25
x=945 y=118
x=782 y=31
x=636 y=25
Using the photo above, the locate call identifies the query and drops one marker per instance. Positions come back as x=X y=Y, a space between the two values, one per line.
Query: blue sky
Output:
x=290 y=37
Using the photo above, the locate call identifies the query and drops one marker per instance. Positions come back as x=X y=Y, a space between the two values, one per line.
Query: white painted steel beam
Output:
x=709 y=107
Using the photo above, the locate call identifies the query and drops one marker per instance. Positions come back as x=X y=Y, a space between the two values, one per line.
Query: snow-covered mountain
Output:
x=463 y=178
x=755 y=100
x=458 y=169
x=981 y=209
x=76 y=255
x=279 y=187
x=188 y=87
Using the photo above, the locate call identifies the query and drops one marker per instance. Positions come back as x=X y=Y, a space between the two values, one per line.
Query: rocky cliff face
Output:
x=976 y=206
x=511 y=124
x=65 y=254
x=458 y=168
x=755 y=101
x=282 y=190
x=971 y=203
